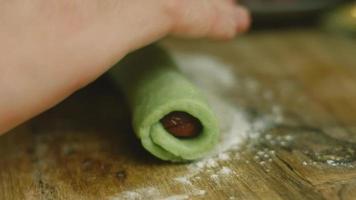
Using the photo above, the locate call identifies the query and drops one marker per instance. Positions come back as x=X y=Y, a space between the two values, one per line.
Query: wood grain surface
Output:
x=84 y=148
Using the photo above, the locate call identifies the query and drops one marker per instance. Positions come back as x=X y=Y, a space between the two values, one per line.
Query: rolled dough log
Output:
x=154 y=87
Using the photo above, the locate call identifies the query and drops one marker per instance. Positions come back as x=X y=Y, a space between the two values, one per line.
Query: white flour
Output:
x=138 y=194
x=177 y=197
x=216 y=81
x=146 y=193
x=183 y=180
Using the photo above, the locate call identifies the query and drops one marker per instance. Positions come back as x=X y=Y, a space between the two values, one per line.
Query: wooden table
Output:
x=84 y=147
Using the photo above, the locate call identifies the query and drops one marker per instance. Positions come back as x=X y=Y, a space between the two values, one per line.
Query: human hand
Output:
x=51 y=48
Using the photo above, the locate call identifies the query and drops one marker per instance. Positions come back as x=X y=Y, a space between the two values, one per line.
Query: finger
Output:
x=244 y=19
x=216 y=19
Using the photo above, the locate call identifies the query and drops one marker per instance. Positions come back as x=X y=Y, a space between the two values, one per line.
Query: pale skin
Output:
x=51 y=48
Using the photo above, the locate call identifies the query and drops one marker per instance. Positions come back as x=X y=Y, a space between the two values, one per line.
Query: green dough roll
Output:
x=153 y=88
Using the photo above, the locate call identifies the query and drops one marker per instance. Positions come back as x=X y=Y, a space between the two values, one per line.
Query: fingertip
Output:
x=230 y=22
x=243 y=18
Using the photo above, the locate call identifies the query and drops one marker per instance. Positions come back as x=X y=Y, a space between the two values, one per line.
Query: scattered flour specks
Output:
x=207 y=72
x=149 y=193
x=183 y=180
x=215 y=177
x=225 y=171
x=198 y=192
x=224 y=156
x=139 y=194
x=177 y=197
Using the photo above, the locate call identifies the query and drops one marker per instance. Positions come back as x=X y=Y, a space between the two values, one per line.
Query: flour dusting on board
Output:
x=146 y=193
x=217 y=81
x=138 y=194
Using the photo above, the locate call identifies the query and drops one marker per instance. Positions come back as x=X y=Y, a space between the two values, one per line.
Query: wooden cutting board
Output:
x=84 y=147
